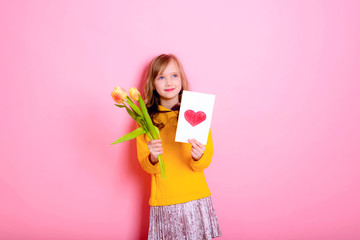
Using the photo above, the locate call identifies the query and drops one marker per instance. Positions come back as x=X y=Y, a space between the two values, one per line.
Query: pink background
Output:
x=285 y=125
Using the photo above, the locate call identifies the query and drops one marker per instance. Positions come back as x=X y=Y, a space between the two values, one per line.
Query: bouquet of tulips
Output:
x=140 y=115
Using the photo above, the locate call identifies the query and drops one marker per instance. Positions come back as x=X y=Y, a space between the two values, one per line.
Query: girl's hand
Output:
x=197 y=149
x=155 y=148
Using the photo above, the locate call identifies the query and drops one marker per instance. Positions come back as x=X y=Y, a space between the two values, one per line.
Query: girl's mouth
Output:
x=169 y=90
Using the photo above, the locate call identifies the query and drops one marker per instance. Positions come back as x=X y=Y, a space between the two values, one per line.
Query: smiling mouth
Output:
x=169 y=90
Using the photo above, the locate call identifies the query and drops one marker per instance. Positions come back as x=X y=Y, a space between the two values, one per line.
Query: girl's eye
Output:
x=161 y=78
x=175 y=76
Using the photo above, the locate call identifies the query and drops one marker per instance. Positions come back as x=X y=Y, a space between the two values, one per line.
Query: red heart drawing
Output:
x=194 y=118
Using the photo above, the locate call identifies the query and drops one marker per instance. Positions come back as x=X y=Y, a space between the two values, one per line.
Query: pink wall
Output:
x=285 y=125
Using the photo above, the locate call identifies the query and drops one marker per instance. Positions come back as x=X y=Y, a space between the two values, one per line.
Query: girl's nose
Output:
x=167 y=81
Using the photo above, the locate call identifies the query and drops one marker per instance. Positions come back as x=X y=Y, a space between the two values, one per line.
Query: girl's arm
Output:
x=205 y=160
x=143 y=154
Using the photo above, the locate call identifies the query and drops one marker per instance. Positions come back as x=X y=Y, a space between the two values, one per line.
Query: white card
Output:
x=195 y=116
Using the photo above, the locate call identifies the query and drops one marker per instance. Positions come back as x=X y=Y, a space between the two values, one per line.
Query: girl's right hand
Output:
x=155 y=148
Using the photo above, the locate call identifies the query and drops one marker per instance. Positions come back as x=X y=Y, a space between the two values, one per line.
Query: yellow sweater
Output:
x=185 y=179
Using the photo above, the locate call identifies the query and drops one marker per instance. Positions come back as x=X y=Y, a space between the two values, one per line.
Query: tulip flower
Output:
x=119 y=94
x=134 y=94
x=140 y=115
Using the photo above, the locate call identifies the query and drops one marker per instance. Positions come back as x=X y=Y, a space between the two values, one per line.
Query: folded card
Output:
x=195 y=116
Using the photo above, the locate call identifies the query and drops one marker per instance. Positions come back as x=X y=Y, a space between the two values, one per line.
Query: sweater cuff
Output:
x=203 y=162
x=149 y=167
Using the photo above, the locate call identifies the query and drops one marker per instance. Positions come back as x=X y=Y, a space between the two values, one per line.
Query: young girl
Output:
x=180 y=204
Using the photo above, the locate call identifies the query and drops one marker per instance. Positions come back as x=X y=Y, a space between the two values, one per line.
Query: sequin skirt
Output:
x=190 y=220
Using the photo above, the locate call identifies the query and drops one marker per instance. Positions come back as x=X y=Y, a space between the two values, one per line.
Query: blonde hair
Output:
x=156 y=67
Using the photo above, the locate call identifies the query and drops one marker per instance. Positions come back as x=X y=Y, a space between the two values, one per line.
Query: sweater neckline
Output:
x=164 y=109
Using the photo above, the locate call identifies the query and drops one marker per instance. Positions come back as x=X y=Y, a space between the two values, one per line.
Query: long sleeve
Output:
x=143 y=155
x=205 y=160
x=185 y=179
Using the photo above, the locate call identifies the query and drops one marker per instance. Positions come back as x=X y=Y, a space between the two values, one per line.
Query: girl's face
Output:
x=168 y=83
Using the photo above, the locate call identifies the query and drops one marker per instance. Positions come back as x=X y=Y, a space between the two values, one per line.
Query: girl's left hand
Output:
x=197 y=149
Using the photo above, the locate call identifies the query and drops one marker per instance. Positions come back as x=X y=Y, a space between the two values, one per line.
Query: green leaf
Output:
x=141 y=122
x=131 y=135
x=137 y=118
x=120 y=106
x=130 y=113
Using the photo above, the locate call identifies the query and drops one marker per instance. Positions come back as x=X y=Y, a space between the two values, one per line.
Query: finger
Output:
x=196 y=152
x=195 y=155
x=156 y=149
x=155 y=141
x=155 y=144
x=199 y=144
x=192 y=142
x=196 y=148
x=199 y=149
x=157 y=152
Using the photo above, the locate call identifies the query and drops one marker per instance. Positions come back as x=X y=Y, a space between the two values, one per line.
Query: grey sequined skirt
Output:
x=190 y=220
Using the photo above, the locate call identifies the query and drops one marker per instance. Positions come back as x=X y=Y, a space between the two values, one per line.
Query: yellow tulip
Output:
x=134 y=94
x=119 y=94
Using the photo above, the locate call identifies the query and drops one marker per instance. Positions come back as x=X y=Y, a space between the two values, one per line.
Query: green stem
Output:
x=162 y=167
x=133 y=106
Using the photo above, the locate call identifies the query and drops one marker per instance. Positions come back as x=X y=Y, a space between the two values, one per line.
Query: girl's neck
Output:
x=169 y=103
